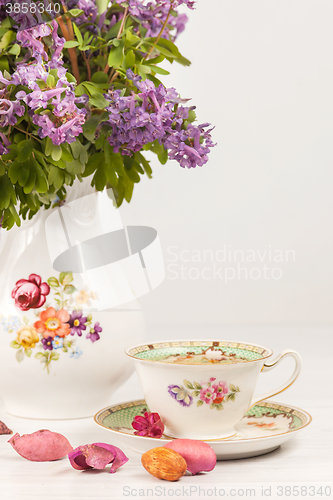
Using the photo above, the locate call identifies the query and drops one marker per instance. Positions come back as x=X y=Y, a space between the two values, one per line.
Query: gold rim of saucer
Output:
x=132 y=351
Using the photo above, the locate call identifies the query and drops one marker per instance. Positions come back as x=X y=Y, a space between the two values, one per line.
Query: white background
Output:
x=262 y=73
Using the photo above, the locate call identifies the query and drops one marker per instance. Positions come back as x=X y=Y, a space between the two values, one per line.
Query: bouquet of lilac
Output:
x=80 y=96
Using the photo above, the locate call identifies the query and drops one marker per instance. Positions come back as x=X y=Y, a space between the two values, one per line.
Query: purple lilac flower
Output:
x=93 y=335
x=29 y=38
x=4 y=143
x=180 y=394
x=47 y=343
x=57 y=47
x=9 y=110
x=185 y=146
x=153 y=14
x=139 y=119
x=77 y=323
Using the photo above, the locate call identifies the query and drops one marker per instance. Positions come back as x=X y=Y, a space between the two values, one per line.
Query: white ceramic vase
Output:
x=61 y=356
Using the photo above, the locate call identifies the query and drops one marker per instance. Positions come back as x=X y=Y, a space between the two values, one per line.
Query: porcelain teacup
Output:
x=200 y=388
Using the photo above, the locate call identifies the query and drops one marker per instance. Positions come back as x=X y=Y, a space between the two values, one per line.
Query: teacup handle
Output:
x=270 y=365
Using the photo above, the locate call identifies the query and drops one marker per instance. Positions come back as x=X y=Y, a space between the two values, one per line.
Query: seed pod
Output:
x=164 y=463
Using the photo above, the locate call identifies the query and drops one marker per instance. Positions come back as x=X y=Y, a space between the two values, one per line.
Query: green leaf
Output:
x=4 y=65
x=23 y=175
x=197 y=385
x=183 y=61
x=28 y=352
x=69 y=289
x=199 y=403
x=30 y=183
x=42 y=185
x=74 y=13
x=78 y=34
x=94 y=161
x=75 y=167
x=99 y=101
x=195 y=393
x=50 y=81
x=7 y=39
x=158 y=70
x=65 y=278
x=48 y=146
x=19 y=355
x=99 y=77
x=116 y=56
x=129 y=59
x=2 y=168
x=15 y=50
x=56 y=177
x=14 y=171
x=232 y=388
x=66 y=155
x=70 y=44
x=56 y=152
x=39 y=355
x=26 y=150
x=53 y=282
x=15 y=344
x=54 y=356
x=188 y=384
x=15 y=214
x=99 y=178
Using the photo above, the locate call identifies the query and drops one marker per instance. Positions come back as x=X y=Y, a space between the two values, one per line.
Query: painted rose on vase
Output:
x=56 y=325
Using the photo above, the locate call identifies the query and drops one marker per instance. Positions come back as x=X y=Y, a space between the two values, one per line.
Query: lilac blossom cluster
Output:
x=153 y=14
x=154 y=114
x=55 y=109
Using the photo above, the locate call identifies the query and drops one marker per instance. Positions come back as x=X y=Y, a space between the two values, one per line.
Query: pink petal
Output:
x=120 y=457
x=98 y=457
x=44 y=289
x=141 y=420
x=138 y=426
x=77 y=459
x=199 y=456
x=41 y=446
x=35 y=278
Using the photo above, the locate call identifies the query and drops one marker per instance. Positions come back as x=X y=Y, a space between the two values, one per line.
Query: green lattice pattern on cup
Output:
x=164 y=352
x=123 y=417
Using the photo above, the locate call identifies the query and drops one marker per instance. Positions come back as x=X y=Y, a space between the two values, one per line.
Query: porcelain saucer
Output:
x=264 y=428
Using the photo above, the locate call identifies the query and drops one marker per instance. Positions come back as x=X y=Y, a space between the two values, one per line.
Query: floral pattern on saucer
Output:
x=211 y=392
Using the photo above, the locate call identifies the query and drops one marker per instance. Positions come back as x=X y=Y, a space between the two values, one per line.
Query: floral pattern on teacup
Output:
x=214 y=393
x=52 y=331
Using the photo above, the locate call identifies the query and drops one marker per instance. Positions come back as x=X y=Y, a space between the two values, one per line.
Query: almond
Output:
x=164 y=463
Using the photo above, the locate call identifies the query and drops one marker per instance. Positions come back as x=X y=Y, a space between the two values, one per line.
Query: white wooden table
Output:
x=304 y=462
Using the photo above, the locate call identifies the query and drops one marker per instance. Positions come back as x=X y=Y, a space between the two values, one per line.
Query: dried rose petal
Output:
x=199 y=456
x=150 y=425
x=41 y=446
x=4 y=429
x=97 y=456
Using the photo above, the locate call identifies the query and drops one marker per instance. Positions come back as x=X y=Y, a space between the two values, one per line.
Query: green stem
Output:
x=160 y=33
x=27 y=133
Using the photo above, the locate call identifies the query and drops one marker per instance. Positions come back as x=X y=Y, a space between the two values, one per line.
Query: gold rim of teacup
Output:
x=133 y=351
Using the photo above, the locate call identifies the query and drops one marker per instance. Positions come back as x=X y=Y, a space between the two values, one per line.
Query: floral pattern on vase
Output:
x=51 y=334
x=212 y=393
